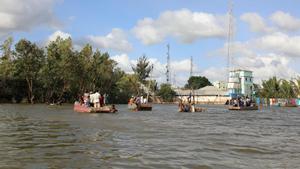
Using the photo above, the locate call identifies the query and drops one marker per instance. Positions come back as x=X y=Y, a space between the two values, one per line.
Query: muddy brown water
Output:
x=40 y=136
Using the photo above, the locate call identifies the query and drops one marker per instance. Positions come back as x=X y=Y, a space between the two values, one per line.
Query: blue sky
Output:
x=265 y=39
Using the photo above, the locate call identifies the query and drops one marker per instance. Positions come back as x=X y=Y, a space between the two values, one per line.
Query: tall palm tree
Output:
x=271 y=88
x=286 y=89
x=296 y=86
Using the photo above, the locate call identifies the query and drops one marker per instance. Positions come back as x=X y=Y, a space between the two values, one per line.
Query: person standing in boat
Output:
x=138 y=102
x=91 y=101
x=105 y=98
x=97 y=99
x=101 y=100
x=86 y=98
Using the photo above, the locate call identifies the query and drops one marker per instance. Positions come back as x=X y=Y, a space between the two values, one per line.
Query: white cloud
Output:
x=280 y=43
x=115 y=40
x=256 y=23
x=263 y=67
x=264 y=56
x=285 y=21
x=215 y=73
x=123 y=62
x=183 y=24
x=19 y=15
x=57 y=34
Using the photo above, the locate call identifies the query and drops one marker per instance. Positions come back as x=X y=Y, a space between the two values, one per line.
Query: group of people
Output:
x=135 y=102
x=91 y=99
x=240 y=102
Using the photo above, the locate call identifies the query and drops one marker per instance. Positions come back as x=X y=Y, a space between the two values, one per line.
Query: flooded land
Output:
x=40 y=136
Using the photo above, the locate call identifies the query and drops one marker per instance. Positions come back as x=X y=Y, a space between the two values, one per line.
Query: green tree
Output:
x=270 y=88
x=29 y=60
x=197 y=82
x=286 y=89
x=128 y=86
x=143 y=68
x=6 y=60
x=166 y=92
x=296 y=86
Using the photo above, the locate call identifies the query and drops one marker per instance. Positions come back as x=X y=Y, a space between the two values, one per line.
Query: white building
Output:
x=240 y=83
x=220 y=85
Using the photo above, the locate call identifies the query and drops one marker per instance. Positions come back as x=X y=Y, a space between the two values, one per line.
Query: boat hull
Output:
x=243 y=108
x=142 y=107
x=145 y=107
x=83 y=109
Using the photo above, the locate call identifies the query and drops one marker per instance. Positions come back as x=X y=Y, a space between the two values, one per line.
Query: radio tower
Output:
x=168 y=64
x=229 y=37
x=191 y=71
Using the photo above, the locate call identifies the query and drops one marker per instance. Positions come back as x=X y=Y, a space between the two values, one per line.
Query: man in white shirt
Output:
x=96 y=99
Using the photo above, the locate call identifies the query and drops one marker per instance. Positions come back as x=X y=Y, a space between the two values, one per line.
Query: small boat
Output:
x=243 y=108
x=289 y=105
x=189 y=108
x=145 y=107
x=83 y=109
x=142 y=107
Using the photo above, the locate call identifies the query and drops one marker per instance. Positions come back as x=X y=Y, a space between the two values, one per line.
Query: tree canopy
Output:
x=197 y=82
x=143 y=68
x=166 y=92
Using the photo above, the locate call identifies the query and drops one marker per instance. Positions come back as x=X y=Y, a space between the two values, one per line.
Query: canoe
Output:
x=243 y=108
x=105 y=109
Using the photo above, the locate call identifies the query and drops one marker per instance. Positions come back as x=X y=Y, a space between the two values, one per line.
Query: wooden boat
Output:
x=84 y=109
x=289 y=105
x=142 y=107
x=145 y=107
x=189 y=109
x=243 y=108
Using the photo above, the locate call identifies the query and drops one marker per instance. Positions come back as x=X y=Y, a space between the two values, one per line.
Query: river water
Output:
x=40 y=136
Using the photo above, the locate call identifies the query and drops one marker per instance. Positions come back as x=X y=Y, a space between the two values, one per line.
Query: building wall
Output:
x=206 y=99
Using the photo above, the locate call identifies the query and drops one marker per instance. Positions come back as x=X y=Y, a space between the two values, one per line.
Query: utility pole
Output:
x=168 y=64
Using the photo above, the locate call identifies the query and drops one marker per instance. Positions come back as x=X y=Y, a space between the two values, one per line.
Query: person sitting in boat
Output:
x=113 y=108
x=187 y=107
x=81 y=100
x=235 y=103
x=227 y=102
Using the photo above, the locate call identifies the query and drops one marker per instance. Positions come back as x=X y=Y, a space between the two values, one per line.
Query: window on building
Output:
x=246 y=79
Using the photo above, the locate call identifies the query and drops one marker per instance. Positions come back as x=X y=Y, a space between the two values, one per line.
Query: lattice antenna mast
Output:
x=191 y=71
x=168 y=65
x=229 y=36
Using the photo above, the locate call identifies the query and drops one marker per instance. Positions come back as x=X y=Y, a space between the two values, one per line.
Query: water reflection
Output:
x=56 y=137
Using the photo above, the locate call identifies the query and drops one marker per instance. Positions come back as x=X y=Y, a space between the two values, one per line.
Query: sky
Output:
x=265 y=38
